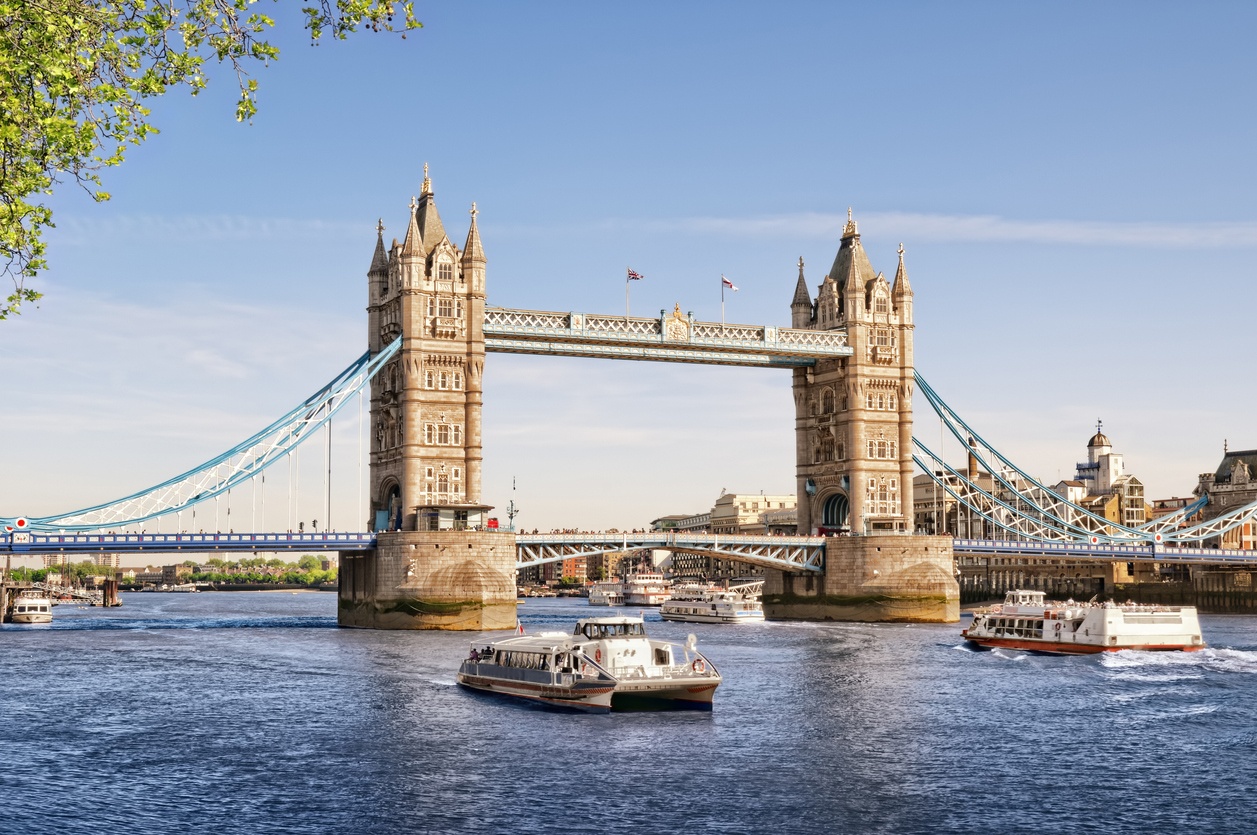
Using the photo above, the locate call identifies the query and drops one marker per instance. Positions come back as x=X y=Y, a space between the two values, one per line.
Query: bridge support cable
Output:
x=1031 y=490
x=243 y=461
x=990 y=507
x=1071 y=515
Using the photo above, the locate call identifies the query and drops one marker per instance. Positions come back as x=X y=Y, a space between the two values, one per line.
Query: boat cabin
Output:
x=1023 y=597
x=603 y=628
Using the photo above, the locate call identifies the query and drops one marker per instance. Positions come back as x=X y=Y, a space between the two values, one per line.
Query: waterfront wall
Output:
x=888 y=577
x=1212 y=592
x=456 y=580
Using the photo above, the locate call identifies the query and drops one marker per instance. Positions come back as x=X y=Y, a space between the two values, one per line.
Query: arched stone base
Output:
x=897 y=578
x=456 y=580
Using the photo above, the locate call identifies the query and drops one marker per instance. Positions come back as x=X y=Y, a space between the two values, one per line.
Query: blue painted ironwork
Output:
x=1106 y=551
x=238 y=464
x=787 y=553
x=178 y=543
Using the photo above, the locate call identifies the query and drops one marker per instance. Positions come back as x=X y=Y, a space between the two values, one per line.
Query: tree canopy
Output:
x=74 y=76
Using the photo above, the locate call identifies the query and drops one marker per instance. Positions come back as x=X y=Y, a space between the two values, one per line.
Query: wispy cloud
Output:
x=940 y=227
x=79 y=230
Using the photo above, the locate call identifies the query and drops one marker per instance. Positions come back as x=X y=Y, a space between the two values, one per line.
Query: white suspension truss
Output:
x=236 y=465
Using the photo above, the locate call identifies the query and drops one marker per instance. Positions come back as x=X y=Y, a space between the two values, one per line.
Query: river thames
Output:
x=252 y=712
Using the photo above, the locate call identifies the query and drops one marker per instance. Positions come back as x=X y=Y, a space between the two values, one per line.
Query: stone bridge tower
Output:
x=853 y=416
x=437 y=565
x=853 y=434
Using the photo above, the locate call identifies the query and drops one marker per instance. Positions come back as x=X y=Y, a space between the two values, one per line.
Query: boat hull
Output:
x=752 y=617
x=589 y=698
x=1059 y=648
x=32 y=618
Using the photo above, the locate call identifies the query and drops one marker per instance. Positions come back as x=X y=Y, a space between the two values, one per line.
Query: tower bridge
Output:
x=427 y=559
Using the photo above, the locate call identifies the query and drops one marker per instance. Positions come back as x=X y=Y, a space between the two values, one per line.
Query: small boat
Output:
x=32 y=607
x=1026 y=621
x=606 y=593
x=695 y=603
x=605 y=664
x=646 y=589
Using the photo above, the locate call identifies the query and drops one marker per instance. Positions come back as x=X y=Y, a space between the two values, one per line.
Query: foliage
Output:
x=74 y=76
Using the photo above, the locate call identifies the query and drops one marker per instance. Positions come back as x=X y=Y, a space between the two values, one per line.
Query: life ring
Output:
x=1058 y=626
x=598 y=656
x=584 y=668
x=699 y=666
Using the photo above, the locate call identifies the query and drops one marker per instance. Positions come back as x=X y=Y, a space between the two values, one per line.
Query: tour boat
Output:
x=605 y=664
x=1026 y=621
x=646 y=589
x=711 y=604
x=32 y=607
x=606 y=594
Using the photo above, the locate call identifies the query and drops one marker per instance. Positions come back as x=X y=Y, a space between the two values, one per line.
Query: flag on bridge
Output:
x=633 y=275
x=724 y=282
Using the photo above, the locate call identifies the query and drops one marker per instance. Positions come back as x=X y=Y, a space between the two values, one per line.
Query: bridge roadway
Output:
x=788 y=553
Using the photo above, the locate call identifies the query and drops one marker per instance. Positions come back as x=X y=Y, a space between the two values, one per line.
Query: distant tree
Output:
x=309 y=562
x=74 y=76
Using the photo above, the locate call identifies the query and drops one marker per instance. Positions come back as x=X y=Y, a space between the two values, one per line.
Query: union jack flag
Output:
x=633 y=275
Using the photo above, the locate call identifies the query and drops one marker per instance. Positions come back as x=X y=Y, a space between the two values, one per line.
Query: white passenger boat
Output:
x=605 y=664
x=1026 y=621
x=646 y=589
x=606 y=593
x=711 y=604
x=32 y=607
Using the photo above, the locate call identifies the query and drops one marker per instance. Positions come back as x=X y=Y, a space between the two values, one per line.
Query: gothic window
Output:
x=880 y=305
x=457 y=473
x=446 y=308
x=429 y=433
x=827 y=450
x=457 y=432
x=443 y=380
x=840 y=451
x=827 y=402
x=443 y=434
x=427 y=379
x=431 y=306
x=445 y=271
x=428 y=473
x=458 y=381
x=443 y=483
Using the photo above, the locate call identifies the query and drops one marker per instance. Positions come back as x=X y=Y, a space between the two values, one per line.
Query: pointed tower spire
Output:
x=851 y=267
x=902 y=287
x=473 y=252
x=429 y=220
x=379 y=261
x=801 y=305
x=413 y=245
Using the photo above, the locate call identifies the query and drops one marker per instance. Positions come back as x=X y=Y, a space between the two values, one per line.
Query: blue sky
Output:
x=1073 y=183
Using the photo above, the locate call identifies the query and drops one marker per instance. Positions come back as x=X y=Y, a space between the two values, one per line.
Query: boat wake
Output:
x=1173 y=666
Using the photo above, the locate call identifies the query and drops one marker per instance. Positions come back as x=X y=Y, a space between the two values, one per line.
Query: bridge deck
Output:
x=668 y=338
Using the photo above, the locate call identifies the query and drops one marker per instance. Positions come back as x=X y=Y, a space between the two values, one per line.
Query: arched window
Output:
x=458 y=381
x=834 y=512
x=445 y=271
x=880 y=305
x=827 y=401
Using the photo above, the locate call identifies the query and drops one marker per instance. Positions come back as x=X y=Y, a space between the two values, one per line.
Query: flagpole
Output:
x=722 y=301
x=626 y=297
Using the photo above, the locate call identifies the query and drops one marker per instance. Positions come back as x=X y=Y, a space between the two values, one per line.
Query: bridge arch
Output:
x=836 y=512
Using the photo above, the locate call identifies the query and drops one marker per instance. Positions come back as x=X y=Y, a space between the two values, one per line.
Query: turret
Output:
x=801 y=310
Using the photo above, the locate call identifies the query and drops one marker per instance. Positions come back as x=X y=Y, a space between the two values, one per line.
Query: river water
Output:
x=252 y=712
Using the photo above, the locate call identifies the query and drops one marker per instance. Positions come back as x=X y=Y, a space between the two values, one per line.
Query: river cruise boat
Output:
x=646 y=589
x=1026 y=621
x=606 y=664
x=694 y=603
x=31 y=607
x=606 y=594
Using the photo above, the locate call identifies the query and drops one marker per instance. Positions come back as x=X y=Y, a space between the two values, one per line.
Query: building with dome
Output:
x=1102 y=485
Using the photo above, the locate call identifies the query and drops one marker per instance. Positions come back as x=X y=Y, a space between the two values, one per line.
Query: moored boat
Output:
x=1026 y=621
x=605 y=664
x=606 y=593
x=711 y=604
x=646 y=589
x=31 y=607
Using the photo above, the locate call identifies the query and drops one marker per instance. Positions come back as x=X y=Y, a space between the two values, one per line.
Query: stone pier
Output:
x=889 y=577
x=458 y=580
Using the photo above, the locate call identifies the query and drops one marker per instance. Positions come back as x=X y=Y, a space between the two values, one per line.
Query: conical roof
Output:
x=472 y=250
x=413 y=245
x=379 y=261
x=902 y=287
x=851 y=263
x=429 y=218
x=802 y=296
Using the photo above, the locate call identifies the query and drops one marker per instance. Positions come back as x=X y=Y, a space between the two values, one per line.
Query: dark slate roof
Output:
x=1248 y=456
